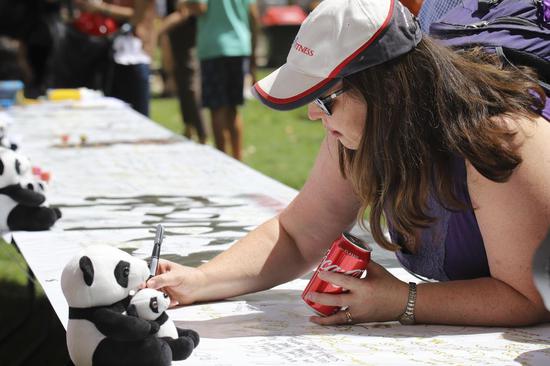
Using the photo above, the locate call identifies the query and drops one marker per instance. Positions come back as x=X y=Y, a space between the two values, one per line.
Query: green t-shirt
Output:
x=224 y=30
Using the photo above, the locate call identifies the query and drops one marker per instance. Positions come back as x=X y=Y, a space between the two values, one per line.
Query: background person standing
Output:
x=132 y=52
x=181 y=32
x=226 y=41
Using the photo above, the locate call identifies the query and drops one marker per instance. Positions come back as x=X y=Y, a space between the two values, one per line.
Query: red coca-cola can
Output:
x=349 y=255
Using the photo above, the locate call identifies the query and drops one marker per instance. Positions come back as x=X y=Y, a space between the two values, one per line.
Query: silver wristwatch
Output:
x=407 y=318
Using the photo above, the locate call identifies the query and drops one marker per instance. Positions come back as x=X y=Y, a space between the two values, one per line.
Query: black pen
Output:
x=159 y=235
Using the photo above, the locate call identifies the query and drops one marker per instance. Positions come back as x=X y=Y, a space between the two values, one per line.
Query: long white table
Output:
x=132 y=174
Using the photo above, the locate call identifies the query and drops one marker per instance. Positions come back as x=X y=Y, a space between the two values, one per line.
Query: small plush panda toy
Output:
x=22 y=199
x=98 y=283
x=151 y=305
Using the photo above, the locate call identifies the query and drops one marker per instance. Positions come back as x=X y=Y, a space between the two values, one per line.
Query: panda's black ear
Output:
x=87 y=269
x=1 y=167
x=122 y=271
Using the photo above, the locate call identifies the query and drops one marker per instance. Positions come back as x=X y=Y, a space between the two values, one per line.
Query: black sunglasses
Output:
x=325 y=103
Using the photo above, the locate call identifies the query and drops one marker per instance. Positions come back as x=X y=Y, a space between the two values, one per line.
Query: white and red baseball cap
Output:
x=339 y=38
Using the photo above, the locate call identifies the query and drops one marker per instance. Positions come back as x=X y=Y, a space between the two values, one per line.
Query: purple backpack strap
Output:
x=517 y=30
x=546 y=10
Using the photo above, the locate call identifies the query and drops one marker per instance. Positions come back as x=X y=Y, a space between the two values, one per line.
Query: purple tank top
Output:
x=452 y=248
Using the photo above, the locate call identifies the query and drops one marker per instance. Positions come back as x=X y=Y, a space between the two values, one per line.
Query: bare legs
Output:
x=227 y=126
x=189 y=131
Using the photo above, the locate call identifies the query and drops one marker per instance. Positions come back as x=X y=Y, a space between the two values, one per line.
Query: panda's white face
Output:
x=13 y=167
x=101 y=275
x=29 y=180
x=149 y=303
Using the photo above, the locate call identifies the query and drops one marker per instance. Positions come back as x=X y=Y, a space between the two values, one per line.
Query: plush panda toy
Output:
x=97 y=284
x=22 y=196
x=5 y=140
x=151 y=305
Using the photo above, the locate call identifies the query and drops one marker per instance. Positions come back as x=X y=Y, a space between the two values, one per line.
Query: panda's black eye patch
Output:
x=154 y=305
x=30 y=187
x=87 y=269
x=122 y=271
x=18 y=166
x=1 y=167
x=41 y=186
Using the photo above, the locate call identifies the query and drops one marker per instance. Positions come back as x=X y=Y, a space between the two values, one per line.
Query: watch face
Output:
x=541 y=270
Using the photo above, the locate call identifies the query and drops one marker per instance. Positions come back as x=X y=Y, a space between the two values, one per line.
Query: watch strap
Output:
x=407 y=318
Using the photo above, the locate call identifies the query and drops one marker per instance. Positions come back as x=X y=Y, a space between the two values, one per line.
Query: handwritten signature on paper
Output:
x=215 y=218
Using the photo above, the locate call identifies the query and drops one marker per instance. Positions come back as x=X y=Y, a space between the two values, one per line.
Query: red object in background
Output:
x=45 y=176
x=413 y=5
x=348 y=255
x=283 y=15
x=95 y=24
x=36 y=170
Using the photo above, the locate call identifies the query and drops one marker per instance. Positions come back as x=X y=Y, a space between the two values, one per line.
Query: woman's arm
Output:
x=184 y=11
x=171 y=21
x=279 y=250
x=513 y=218
x=121 y=13
x=254 y=22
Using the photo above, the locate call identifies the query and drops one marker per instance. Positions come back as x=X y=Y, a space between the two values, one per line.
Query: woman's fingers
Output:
x=166 y=279
x=172 y=296
x=339 y=279
x=335 y=319
x=164 y=266
x=329 y=299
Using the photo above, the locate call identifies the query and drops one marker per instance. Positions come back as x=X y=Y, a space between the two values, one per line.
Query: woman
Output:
x=132 y=55
x=449 y=148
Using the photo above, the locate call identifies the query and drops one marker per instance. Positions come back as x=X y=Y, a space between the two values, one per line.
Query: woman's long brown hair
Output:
x=422 y=109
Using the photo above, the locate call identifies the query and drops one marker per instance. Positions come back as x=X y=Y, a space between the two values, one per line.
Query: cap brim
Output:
x=286 y=89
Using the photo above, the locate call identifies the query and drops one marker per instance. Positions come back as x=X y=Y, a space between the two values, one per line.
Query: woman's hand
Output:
x=179 y=282
x=376 y=298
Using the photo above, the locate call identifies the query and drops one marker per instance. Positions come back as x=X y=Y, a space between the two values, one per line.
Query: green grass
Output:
x=12 y=265
x=31 y=333
x=282 y=145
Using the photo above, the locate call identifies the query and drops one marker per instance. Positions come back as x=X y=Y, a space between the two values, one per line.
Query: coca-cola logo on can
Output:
x=327 y=265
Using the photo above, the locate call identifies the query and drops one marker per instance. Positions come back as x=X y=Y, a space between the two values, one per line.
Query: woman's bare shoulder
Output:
x=531 y=178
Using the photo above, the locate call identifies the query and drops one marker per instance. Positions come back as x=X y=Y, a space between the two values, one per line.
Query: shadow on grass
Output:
x=30 y=332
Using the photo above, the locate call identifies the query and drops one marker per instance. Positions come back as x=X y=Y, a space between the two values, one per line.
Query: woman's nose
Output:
x=314 y=112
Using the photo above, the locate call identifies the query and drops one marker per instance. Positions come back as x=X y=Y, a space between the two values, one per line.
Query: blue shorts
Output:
x=222 y=81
